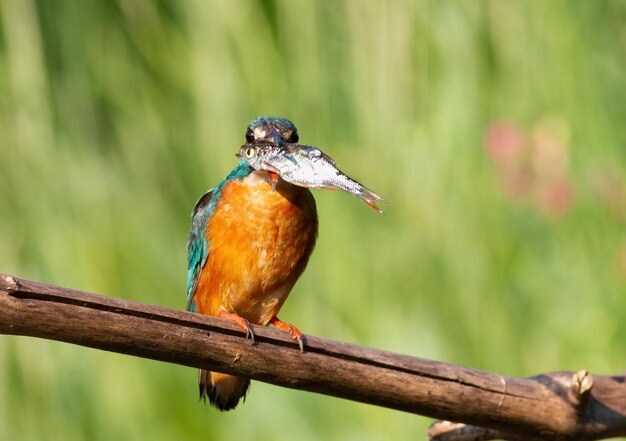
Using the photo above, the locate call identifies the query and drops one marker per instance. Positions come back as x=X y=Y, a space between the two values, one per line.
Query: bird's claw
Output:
x=295 y=333
x=249 y=333
x=242 y=322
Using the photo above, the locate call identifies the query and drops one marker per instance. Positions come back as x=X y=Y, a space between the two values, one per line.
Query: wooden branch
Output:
x=557 y=406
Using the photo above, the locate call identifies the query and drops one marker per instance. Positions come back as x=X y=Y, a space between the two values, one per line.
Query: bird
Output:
x=250 y=239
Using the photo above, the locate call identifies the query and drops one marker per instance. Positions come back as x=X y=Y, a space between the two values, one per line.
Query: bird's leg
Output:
x=242 y=322
x=291 y=329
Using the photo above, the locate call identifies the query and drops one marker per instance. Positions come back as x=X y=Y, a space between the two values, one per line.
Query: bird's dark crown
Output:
x=271 y=130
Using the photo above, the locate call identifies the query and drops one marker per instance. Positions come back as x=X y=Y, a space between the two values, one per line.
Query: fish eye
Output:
x=249 y=135
x=249 y=153
x=294 y=137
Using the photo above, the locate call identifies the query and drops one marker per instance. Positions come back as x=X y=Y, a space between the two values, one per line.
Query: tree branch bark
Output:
x=556 y=406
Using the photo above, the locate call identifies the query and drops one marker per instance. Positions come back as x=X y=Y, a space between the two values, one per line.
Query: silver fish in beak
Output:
x=305 y=166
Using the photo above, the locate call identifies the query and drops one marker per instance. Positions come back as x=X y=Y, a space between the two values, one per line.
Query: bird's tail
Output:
x=223 y=391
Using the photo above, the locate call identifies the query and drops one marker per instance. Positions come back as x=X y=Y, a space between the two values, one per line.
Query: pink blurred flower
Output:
x=555 y=198
x=504 y=143
x=534 y=171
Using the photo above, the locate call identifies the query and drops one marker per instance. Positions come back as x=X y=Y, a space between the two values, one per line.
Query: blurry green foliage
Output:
x=495 y=129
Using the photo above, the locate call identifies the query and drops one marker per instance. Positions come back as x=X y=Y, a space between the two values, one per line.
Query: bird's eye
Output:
x=250 y=153
x=294 y=137
x=249 y=136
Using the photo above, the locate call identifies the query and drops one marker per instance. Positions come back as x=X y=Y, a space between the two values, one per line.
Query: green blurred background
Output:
x=495 y=130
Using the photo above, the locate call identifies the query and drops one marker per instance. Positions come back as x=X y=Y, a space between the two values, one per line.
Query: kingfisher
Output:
x=251 y=237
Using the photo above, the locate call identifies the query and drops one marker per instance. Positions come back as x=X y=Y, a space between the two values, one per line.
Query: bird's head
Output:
x=271 y=130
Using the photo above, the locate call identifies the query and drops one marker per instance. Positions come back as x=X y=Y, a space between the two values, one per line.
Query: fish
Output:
x=305 y=166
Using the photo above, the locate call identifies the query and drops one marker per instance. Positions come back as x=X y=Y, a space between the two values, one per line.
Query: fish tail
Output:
x=369 y=197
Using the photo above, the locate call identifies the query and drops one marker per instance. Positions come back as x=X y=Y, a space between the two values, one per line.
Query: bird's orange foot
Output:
x=287 y=327
x=242 y=322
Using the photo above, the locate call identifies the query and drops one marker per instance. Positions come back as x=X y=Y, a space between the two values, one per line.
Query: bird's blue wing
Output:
x=197 y=245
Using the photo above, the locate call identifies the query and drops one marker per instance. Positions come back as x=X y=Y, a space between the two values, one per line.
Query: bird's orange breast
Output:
x=259 y=244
